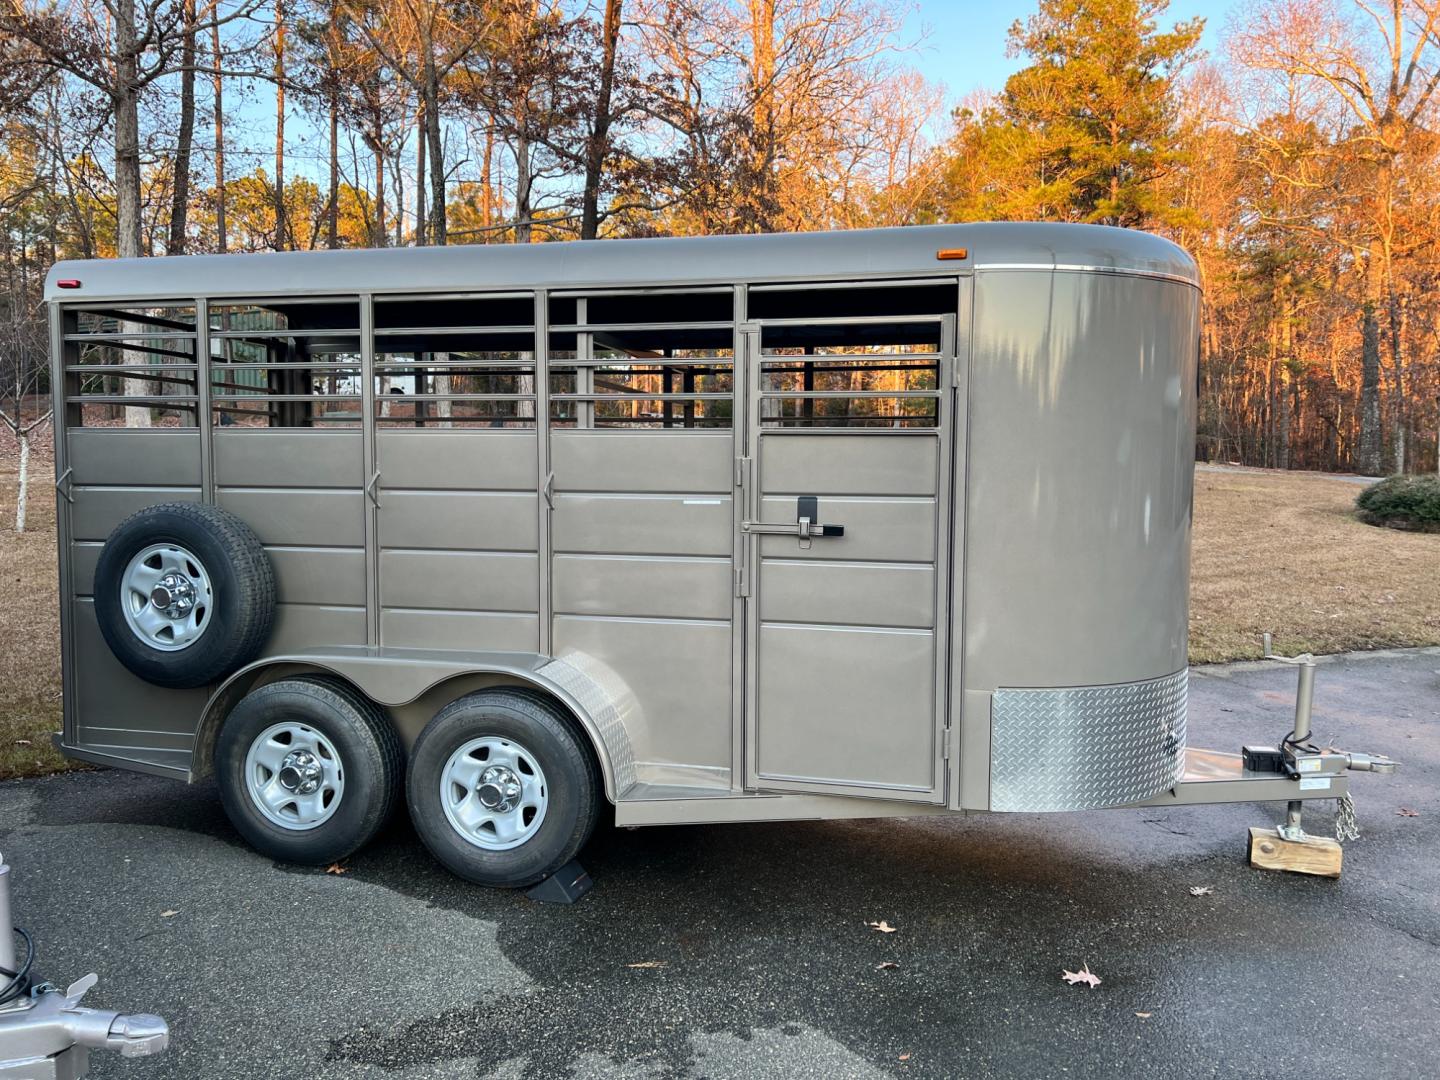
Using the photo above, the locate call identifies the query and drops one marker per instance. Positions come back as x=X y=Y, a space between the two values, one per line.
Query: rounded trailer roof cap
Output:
x=859 y=254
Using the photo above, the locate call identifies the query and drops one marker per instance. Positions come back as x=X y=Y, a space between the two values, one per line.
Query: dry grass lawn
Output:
x=1284 y=552
x=30 y=632
x=1273 y=551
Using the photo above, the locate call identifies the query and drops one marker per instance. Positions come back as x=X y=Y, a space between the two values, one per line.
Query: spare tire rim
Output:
x=294 y=776
x=494 y=793
x=167 y=597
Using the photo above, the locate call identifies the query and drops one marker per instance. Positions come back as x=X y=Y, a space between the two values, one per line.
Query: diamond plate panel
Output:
x=1085 y=747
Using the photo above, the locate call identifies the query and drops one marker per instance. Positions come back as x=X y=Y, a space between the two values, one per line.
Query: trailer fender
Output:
x=599 y=700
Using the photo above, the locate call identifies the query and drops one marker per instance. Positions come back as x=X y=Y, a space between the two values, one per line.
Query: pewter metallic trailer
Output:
x=857 y=524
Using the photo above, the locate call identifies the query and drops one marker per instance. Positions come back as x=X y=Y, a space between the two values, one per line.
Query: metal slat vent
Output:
x=1086 y=747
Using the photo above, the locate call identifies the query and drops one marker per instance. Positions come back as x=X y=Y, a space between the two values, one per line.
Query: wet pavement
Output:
x=742 y=951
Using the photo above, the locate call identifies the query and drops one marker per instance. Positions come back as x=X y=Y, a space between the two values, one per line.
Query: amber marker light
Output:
x=68 y=283
x=952 y=253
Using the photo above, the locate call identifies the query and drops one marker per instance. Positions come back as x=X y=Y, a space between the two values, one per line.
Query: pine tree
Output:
x=1088 y=130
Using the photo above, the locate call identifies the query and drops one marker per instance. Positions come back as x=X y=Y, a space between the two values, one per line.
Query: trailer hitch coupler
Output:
x=138 y=1035
x=1370 y=763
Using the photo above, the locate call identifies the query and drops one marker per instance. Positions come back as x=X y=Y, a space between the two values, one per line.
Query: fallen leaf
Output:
x=1084 y=975
x=1202 y=890
x=1405 y=811
x=904 y=1057
x=168 y=914
x=886 y=964
x=336 y=868
x=882 y=926
x=648 y=964
x=1143 y=1016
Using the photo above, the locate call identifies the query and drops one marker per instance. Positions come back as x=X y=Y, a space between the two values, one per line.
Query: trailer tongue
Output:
x=1296 y=771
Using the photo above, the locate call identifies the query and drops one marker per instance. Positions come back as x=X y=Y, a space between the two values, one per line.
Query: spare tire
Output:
x=184 y=594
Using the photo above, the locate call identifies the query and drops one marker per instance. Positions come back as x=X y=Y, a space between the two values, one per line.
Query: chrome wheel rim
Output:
x=494 y=793
x=294 y=777
x=167 y=597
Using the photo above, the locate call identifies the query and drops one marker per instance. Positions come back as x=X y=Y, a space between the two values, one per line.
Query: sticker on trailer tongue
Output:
x=1314 y=783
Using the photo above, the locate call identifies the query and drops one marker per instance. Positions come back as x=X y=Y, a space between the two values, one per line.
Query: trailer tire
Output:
x=214 y=578
x=354 y=753
x=502 y=789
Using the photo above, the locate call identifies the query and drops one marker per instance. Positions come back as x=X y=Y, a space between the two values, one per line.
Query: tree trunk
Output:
x=1287 y=345
x=1370 y=448
x=332 y=99
x=379 y=191
x=487 y=196
x=522 y=187
x=127 y=133
x=397 y=176
x=599 y=145
x=280 y=226
x=431 y=131
x=127 y=176
x=332 y=204
x=1398 y=415
x=180 y=195
x=22 y=491
x=1282 y=433
x=762 y=34
x=421 y=144
x=220 y=240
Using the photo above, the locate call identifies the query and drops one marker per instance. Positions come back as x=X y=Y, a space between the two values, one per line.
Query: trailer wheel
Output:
x=309 y=770
x=184 y=594
x=501 y=788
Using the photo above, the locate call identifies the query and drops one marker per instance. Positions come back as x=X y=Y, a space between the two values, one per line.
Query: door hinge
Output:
x=945 y=744
x=742 y=466
x=743 y=541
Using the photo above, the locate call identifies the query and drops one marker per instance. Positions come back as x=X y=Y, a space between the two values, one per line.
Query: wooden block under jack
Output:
x=1318 y=855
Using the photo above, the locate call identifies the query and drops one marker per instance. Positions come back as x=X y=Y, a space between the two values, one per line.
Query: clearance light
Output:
x=68 y=283
x=952 y=253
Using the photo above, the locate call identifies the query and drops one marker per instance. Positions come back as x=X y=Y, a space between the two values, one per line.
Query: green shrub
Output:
x=1402 y=502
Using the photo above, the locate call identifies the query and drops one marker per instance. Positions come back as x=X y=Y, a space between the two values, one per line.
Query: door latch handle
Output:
x=804 y=528
x=372 y=491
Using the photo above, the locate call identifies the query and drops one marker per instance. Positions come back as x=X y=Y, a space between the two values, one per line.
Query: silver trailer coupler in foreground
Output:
x=1309 y=767
x=48 y=1035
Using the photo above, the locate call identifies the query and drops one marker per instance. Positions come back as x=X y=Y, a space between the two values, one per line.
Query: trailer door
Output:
x=845 y=543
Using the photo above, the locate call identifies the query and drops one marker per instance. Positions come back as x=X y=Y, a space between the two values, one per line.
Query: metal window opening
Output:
x=641 y=361
x=275 y=364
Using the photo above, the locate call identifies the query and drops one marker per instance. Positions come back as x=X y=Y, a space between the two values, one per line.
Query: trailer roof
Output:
x=819 y=256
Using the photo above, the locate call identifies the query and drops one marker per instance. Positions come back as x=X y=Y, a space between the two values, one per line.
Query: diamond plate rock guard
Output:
x=1086 y=747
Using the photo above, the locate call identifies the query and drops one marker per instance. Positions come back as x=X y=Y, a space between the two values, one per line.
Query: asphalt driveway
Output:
x=742 y=951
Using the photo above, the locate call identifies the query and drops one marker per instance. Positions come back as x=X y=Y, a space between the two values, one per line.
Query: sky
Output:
x=965 y=47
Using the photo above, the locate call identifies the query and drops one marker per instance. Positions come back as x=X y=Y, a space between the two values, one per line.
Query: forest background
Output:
x=1293 y=149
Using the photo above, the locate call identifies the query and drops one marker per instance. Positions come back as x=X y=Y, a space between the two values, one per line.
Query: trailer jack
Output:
x=48 y=1035
x=1287 y=846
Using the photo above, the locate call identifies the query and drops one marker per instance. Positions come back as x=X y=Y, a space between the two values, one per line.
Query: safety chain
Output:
x=1346 y=827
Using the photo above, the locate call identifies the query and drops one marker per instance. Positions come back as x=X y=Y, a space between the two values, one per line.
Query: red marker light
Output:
x=68 y=283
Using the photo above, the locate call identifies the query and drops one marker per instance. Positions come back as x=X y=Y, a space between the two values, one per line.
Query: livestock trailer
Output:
x=854 y=524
